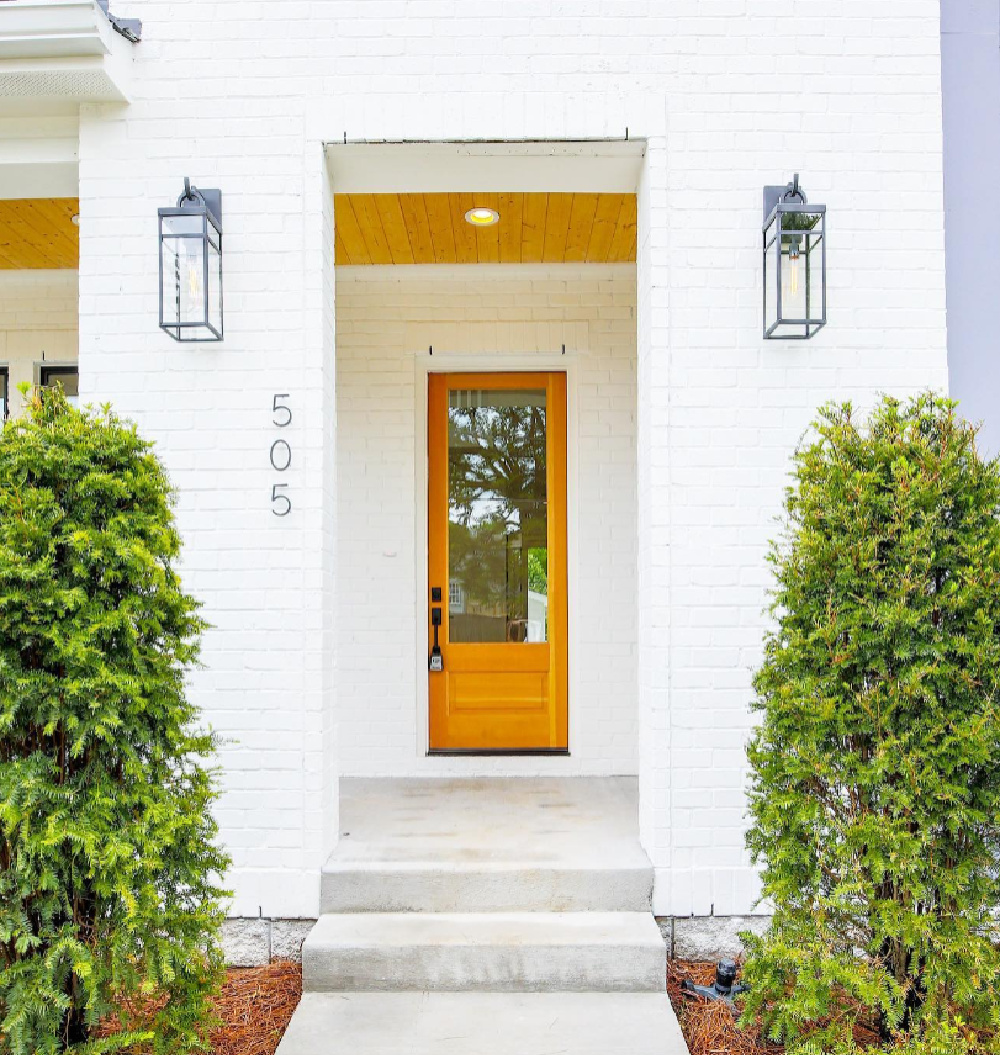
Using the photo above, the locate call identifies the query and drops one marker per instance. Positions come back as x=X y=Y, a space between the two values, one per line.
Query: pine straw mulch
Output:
x=255 y=1005
x=710 y=1028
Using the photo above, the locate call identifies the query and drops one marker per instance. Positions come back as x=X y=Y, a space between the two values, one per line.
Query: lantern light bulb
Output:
x=794 y=265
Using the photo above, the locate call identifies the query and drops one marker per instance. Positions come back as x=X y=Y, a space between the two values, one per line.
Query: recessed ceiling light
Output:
x=480 y=217
x=76 y=219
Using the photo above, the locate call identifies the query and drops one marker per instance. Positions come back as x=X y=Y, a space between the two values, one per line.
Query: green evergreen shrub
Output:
x=875 y=798
x=108 y=868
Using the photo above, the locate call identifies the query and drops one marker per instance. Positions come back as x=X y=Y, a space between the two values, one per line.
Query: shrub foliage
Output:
x=875 y=795
x=107 y=862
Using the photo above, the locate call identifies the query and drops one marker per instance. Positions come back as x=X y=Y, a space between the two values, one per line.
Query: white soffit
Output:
x=62 y=49
x=584 y=166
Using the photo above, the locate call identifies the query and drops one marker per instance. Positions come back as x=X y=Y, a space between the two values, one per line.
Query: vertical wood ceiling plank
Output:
x=370 y=223
x=603 y=231
x=40 y=233
x=7 y=261
x=418 y=228
x=33 y=245
x=340 y=254
x=25 y=215
x=622 y=244
x=556 y=228
x=581 y=223
x=394 y=225
x=488 y=238
x=429 y=228
x=534 y=208
x=346 y=224
x=52 y=219
x=509 y=207
x=18 y=240
x=466 y=249
x=438 y=209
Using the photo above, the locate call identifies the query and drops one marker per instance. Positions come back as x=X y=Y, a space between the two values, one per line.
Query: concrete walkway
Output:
x=484 y=1024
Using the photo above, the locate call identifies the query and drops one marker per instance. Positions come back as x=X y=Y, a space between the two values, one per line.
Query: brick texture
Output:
x=730 y=96
x=387 y=319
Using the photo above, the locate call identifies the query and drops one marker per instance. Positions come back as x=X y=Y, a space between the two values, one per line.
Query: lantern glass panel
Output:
x=794 y=280
x=214 y=316
x=191 y=276
x=772 y=277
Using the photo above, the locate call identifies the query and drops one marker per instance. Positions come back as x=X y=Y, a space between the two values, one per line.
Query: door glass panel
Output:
x=497 y=516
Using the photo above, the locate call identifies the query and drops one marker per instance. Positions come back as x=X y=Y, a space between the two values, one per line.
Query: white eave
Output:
x=62 y=49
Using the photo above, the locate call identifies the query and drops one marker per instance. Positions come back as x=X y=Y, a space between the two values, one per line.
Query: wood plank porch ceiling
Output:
x=39 y=233
x=534 y=228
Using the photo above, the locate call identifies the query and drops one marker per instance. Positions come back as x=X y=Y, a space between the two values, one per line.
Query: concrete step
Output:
x=483 y=1024
x=488 y=845
x=451 y=886
x=485 y=952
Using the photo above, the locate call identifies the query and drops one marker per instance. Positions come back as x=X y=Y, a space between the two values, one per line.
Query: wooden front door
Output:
x=496 y=613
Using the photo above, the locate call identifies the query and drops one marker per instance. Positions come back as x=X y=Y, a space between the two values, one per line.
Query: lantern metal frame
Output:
x=790 y=200
x=206 y=204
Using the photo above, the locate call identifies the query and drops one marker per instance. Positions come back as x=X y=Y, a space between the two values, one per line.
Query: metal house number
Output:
x=281 y=454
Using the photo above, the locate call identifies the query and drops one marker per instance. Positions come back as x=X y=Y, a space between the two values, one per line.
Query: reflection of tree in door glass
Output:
x=497 y=532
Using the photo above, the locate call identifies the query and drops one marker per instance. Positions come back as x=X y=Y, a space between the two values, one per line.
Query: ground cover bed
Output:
x=710 y=1027
x=254 y=1005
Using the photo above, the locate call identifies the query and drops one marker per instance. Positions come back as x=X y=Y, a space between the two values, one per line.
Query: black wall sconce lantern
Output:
x=794 y=264
x=191 y=266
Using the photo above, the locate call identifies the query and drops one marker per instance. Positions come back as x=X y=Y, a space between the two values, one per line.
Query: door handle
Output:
x=435 y=661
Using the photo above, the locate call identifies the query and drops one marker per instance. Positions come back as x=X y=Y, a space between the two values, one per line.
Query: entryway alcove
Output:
x=488 y=855
x=518 y=305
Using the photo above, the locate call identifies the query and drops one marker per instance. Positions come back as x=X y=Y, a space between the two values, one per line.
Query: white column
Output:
x=265 y=581
x=320 y=330
x=653 y=469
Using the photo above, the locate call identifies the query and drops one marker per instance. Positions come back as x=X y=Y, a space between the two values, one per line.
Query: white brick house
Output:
x=681 y=418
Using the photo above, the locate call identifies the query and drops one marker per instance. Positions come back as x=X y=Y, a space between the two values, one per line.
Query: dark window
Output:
x=67 y=376
x=4 y=394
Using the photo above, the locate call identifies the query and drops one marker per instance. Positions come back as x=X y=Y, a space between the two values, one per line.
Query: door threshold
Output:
x=508 y=751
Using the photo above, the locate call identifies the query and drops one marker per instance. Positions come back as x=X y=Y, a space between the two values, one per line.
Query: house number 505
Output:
x=281 y=455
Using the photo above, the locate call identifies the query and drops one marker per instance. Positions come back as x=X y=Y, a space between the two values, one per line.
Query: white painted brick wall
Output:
x=731 y=95
x=38 y=323
x=387 y=318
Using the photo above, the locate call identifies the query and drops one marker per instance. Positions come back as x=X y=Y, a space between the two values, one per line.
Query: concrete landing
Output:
x=514 y=952
x=484 y=1024
x=488 y=845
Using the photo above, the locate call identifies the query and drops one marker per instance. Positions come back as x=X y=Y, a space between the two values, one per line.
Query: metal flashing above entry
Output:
x=130 y=28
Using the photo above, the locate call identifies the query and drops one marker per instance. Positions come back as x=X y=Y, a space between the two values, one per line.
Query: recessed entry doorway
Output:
x=497 y=612
x=486 y=507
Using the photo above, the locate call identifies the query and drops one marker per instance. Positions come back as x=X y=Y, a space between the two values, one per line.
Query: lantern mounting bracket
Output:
x=791 y=191
x=211 y=199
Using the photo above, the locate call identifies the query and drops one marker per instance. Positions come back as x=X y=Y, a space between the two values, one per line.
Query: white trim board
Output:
x=585 y=166
x=481 y=362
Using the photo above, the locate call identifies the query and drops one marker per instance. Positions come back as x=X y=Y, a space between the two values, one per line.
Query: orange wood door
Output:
x=497 y=561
